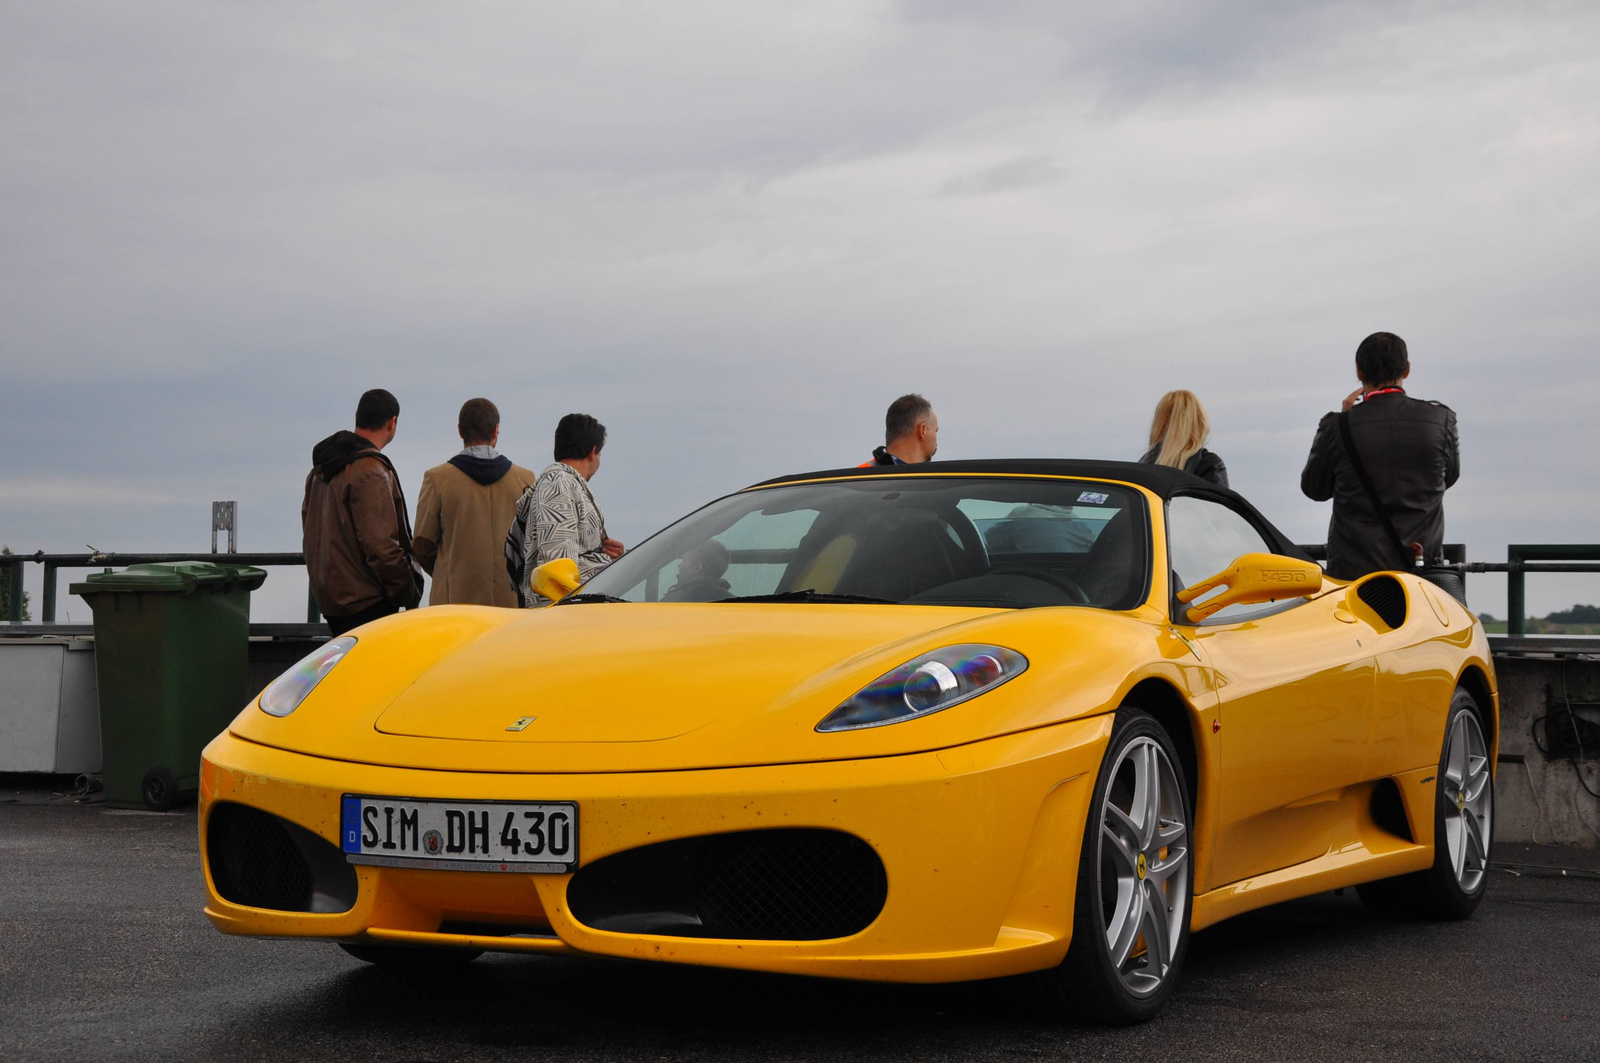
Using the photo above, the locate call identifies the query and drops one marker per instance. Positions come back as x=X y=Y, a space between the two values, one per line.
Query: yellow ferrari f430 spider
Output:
x=911 y=723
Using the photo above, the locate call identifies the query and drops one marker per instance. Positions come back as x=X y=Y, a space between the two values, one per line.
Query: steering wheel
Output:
x=1064 y=584
x=971 y=541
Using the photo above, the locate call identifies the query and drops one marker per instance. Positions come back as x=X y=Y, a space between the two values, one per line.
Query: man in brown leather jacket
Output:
x=1411 y=453
x=357 y=535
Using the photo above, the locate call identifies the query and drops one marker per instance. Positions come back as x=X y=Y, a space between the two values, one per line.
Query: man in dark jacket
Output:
x=1411 y=454
x=357 y=535
x=911 y=433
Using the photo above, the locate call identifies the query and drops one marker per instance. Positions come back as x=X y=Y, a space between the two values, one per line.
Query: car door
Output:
x=1295 y=684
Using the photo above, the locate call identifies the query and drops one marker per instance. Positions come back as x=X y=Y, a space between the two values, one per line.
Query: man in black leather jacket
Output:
x=1411 y=453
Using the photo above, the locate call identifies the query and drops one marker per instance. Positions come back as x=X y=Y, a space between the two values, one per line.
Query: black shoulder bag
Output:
x=1441 y=574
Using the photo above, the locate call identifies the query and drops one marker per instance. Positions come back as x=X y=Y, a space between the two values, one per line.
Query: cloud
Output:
x=1026 y=171
x=734 y=232
x=25 y=495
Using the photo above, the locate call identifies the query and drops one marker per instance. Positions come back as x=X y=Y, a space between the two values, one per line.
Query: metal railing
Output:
x=1455 y=553
x=11 y=572
x=1521 y=559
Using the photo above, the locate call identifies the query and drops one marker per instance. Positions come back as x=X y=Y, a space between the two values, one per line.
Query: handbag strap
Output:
x=1409 y=557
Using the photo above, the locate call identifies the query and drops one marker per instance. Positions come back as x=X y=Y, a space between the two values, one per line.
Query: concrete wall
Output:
x=49 y=706
x=1541 y=800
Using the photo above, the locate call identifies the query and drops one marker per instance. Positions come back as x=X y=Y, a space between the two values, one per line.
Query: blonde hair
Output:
x=1180 y=428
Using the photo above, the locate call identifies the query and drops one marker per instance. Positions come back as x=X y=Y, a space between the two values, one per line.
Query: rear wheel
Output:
x=1135 y=881
x=1463 y=829
x=411 y=956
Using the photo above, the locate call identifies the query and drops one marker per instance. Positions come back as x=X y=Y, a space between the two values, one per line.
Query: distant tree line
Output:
x=1578 y=614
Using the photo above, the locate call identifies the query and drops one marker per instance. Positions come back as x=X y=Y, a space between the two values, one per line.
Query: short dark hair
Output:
x=904 y=415
x=577 y=436
x=1382 y=358
x=375 y=409
x=477 y=421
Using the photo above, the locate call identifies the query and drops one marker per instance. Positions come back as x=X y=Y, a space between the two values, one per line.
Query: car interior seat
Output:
x=904 y=552
x=1111 y=568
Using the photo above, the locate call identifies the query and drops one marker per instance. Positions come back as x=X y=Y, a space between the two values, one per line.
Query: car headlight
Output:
x=286 y=692
x=925 y=685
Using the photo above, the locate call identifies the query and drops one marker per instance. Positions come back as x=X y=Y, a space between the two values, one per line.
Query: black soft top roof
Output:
x=1162 y=480
x=1159 y=479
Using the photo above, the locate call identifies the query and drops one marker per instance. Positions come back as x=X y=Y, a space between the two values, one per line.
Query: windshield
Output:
x=916 y=540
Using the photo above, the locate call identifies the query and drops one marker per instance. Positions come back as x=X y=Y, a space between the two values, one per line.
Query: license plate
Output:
x=539 y=837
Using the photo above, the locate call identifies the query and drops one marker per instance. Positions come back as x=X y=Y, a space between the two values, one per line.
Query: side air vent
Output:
x=784 y=885
x=1386 y=597
x=1389 y=811
x=262 y=861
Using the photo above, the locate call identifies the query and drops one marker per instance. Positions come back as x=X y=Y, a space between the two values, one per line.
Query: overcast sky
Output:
x=734 y=231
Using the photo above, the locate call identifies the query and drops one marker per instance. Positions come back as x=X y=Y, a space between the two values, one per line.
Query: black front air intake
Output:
x=1386 y=598
x=785 y=885
x=262 y=861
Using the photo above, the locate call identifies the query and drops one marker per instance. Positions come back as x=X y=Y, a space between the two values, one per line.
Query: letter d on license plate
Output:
x=537 y=837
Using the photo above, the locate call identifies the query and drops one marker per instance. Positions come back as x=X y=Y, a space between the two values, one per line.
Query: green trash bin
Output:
x=171 y=643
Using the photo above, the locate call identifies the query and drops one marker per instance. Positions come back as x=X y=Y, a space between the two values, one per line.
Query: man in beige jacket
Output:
x=463 y=512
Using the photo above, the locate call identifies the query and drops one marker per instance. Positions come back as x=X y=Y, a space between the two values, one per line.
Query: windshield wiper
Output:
x=809 y=595
x=589 y=598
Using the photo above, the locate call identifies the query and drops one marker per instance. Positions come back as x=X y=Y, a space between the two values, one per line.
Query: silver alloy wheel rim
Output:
x=1144 y=858
x=1468 y=797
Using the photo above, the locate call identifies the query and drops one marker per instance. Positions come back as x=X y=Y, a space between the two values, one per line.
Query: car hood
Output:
x=639 y=687
x=598 y=673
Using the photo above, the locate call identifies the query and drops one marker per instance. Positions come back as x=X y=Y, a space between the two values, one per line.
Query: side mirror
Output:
x=1253 y=579
x=555 y=579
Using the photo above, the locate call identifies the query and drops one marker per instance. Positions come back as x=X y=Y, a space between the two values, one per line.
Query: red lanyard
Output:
x=1383 y=391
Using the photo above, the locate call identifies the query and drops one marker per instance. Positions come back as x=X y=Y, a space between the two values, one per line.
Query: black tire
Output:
x=159 y=789
x=1439 y=892
x=1089 y=984
x=411 y=957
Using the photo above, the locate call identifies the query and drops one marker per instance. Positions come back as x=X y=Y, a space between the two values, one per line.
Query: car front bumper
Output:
x=980 y=846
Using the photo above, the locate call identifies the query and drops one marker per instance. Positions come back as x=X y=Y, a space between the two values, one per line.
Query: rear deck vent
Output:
x=1386 y=598
x=262 y=861
x=785 y=885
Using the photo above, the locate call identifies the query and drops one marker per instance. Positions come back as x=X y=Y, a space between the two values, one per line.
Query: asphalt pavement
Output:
x=104 y=954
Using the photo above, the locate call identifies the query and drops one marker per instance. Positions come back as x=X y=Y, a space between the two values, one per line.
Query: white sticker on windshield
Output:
x=1093 y=497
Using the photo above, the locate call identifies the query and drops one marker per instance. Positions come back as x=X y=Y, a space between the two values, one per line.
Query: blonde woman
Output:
x=1178 y=438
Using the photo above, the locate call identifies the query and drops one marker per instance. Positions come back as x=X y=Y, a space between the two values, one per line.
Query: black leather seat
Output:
x=1114 y=570
x=904 y=553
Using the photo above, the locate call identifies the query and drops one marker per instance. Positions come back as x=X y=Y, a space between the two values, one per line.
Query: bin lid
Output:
x=180 y=578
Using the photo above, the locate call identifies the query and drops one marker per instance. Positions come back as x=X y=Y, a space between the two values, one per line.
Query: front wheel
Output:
x=1463 y=829
x=1135 y=882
